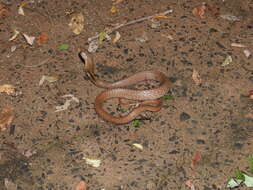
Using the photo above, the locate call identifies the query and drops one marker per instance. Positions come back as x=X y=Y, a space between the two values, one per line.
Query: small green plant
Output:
x=63 y=47
x=168 y=97
x=136 y=123
x=239 y=175
x=123 y=110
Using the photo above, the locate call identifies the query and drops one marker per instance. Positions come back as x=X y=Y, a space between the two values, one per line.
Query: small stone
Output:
x=174 y=152
x=200 y=141
x=211 y=30
x=184 y=116
x=173 y=138
x=238 y=145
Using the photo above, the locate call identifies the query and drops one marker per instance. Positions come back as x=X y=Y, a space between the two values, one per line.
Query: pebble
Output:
x=184 y=116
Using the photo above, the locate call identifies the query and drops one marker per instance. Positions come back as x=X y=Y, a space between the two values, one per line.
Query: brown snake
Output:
x=117 y=90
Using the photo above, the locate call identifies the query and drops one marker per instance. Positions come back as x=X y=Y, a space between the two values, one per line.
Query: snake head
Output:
x=88 y=66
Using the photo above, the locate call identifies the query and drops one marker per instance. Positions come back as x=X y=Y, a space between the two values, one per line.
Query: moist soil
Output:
x=45 y=150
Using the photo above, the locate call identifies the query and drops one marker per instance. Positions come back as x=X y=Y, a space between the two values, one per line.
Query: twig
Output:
x=42 y=63
x=130 y=23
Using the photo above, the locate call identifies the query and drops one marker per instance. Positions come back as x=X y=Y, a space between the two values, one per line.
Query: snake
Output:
x=148 y=99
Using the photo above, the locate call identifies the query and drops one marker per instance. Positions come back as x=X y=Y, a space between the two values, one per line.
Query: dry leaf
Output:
x=160 y=16
x=16 y=33
x=7 y=88
x=196 y=77
x=196 y=158
x=199 y=11
x=247 y=53
x=67 y=103
x=42 y=38
x=81 y=186
x=139 y=146
x=6 y=117
x=4 y=11
x=113 y=9
x=167 y=36
x=93 y=46
x=49 y=78
x=21 y=11
x=117 y=37
x=29 y=39
x=77 y=23
x=93 y=162
x=237 y=45
x=227 y=61
x=13 y=48
x=230 y=17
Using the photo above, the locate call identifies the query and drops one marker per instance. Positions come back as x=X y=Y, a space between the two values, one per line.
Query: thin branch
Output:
x=42 y=63
x=130 y=23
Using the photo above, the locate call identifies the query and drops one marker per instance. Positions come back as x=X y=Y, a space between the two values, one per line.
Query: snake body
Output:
x=118 y=90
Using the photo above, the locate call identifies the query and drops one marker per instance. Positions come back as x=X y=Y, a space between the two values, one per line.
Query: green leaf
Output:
x=248 y=180
x=239 y=175
x=63 y=47
x=136 y=123
x=168 y=97
x=123 y=110
x=102 y=36
x=232 y=183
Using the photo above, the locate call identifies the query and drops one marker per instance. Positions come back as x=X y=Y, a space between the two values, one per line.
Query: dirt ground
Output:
x=45 y=150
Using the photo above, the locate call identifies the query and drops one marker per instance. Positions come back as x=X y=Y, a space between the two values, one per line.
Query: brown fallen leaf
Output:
x=199 y=11
x=6 y=117
x=42 y=38
x=7 y=88
x=81 y=186
x=160 y=16
x=196 y=159
x=76 y=23
x=4 y=11
x=114 y=10
x=196 y=77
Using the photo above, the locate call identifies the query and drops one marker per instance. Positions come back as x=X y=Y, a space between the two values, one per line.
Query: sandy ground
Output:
x=45 y=150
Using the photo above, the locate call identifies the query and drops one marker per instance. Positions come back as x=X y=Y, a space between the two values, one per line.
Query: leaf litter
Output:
x=43 y=37
x=20 y=9
x=29 y=39
x=7 y=88
x=6 y=117
x=76 y=23
x=199 y=11
x=227 y=61
x=130 y=23
x=81 y=186
x=93 y=162
x=196 y=77
x=14 y=36
x=65 y=106
x=49 y=78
